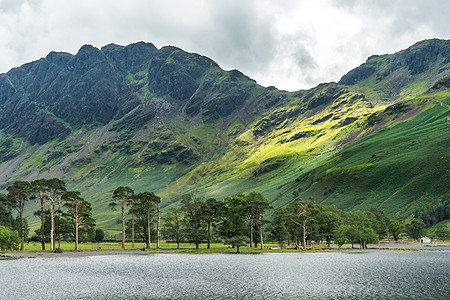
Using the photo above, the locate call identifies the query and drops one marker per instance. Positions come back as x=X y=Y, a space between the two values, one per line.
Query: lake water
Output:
x=336 y=275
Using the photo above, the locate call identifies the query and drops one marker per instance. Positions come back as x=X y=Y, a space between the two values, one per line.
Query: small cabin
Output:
x=425 y=240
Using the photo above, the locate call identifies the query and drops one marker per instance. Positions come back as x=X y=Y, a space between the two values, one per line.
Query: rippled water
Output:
x=338 y=275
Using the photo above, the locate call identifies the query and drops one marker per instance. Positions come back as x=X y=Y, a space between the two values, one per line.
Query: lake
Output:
x=335 y=275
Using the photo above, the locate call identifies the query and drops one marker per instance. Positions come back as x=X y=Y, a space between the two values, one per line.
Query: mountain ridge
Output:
x=174 y=122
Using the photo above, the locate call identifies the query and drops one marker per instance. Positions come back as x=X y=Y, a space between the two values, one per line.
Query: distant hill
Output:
x=174 y=122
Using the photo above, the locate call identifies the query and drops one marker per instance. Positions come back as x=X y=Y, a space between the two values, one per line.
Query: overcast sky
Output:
x=289 y=44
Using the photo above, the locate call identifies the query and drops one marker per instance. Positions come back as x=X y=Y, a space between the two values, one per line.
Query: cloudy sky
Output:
x=289 y=44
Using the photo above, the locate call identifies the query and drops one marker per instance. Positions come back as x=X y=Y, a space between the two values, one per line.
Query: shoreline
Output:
x=84 y=253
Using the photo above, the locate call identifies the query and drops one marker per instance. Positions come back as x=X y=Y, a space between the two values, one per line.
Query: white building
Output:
x=425 y=240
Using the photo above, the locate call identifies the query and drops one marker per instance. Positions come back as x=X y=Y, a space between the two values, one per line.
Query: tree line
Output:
x=237 y=220
x=62 y=213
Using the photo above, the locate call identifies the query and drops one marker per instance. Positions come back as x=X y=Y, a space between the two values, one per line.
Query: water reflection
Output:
x=339 y=275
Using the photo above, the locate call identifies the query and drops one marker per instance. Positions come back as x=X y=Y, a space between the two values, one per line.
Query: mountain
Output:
x=174 y=122
x=402 y=75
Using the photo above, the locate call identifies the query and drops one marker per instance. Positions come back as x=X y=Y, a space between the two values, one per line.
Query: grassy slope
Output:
x=394 y=169
x=397 y=168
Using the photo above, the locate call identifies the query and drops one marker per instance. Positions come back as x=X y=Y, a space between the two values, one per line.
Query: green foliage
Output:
x=415 y=228
x=5 y=212
x=37 y=237
x=9 y=240
x=145 y=208
x=19 y=193
x=302 y=214
x=278 y=228
x=234 y=223
x=442 y=232
x=237 y=241
x=395 y=228
x=434 y=212
x=99 y=235
x=328 y=222
x=358 y=228
x=80 y=217
x=194 y=212
x=172 y=222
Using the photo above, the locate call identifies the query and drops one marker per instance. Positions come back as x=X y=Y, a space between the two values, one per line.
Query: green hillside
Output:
x=173 y=122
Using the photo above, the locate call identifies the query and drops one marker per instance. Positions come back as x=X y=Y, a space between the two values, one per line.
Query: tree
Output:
x=40 y=188
x=172 y=223
x=144 y=203
x=9 y=240
x=5 y=213
x=256 y=205
x=359 y=228
x=38 y=236
x=79 y=212
x=121 y=196
x=442 y=232
x=237 y=241
x=383 y=221
x=158 y=223
x=298 y=213
x=329 y=222
x=395 y=228
x=340 y=236
x=234 y=224
x=18 y=194
x=293 y=229
x=212 y=209
x=55 y=188
x=99 y=236
x=278 y=228
x=130 y=204
x=415 y=228
x=194 y=212
x=434 y=212
x=61 y=227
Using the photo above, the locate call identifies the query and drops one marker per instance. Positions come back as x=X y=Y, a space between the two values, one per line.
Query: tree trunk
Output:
x=260 y=232
x=209 y=234
x=76 y=226
x=237 y=249
x=132 y=229
x=52 y=226
x=197 y=242
x=251 y=232
x=328 y=241
x=59 y=225
x=178 y=236
x=42 y=223
x=123 y=223
x=157 y=229
x=76 y=235
x=304 y=235
x=22 y=230
x=148 y=229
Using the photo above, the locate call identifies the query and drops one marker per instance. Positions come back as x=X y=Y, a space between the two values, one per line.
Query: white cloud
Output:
x=289 y=44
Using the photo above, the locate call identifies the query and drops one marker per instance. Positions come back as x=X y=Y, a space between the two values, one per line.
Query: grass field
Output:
x=215 y=247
